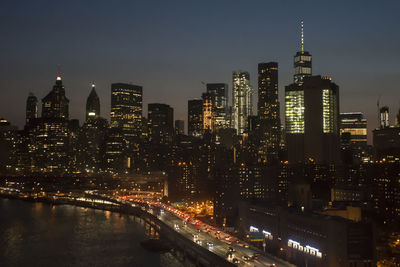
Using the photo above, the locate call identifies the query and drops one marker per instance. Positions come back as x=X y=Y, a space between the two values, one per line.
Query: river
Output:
x=38 y=234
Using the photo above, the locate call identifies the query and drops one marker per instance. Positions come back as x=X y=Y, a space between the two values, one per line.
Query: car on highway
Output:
x=210 y=244
x=246 y=258
x=199 y=242
x=236 y=261
x=229 y=256
x=230 y=249
x=256 y=255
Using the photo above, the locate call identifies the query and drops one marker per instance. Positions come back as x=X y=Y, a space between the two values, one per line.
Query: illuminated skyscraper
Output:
x=312 y=120
x=302 y=62
x=93 y=104
x=50 y=134
x=31 y=107
x=241 y=100
x=126 y=109
x=354 y=124
x=55 y=103
x=209 y=112
x=353 y=136
x=219 y=91
x=195 y=117
x=268 y=110
x=294 y=109
x=384 y=117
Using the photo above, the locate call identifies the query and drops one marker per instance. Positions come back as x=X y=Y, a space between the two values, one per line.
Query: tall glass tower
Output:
x=302 y=62
x=241 y=100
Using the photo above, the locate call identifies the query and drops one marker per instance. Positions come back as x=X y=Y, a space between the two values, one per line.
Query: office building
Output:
x=219 y=91
x=241 y=100
x=116 y=159
x=209 y=112
x=126 y=109
x=50 y=135
x=268 y=110
x=355 y=124
x=93 y=104
x=195 y=117
x=353 y=136
x=160 y=121
x=312 y=120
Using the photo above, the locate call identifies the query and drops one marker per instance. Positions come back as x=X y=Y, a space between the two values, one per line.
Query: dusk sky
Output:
x=170 y=47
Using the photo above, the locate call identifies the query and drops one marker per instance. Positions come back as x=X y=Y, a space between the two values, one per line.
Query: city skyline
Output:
x=178 y=67
x=220 y=133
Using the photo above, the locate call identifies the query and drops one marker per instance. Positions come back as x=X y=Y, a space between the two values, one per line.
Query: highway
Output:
x=203 y=235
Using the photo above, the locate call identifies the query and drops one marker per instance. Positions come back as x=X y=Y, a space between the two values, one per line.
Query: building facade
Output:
x=126 y=109
x=195 y=117
x=309 y=239
x=219 y=91
x=160 y=121
x=312 y=120
x=241 y=101
x=268 y=110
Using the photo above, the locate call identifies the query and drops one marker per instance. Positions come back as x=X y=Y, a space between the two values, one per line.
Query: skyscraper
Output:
x=312 y=120
x=55 y=103
x=31 y=107
x=220 y=102
x=50 y=134
x=353 y=136
x=209 y=111
x=302 y=62
x=92 y=104
x=241 y=100
x=355 y=124
x=160 y=120
x=195 y=117
x=126 y=109
x=268 y=109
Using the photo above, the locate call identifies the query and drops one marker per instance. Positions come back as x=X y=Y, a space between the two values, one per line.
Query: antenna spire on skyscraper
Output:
x=302 y=37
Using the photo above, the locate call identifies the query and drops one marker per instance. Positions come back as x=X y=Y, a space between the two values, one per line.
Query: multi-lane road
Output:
x=211 y=238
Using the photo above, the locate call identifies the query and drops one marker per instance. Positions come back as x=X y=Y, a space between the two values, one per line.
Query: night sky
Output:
x=170 y=47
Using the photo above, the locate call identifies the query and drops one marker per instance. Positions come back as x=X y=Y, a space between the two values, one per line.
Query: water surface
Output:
x=38 y=234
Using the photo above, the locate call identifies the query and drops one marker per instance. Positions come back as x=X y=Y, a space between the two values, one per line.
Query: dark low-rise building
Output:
x=309 y=239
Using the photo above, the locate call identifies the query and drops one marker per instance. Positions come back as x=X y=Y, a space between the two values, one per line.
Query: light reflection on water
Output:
x=37 y=234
